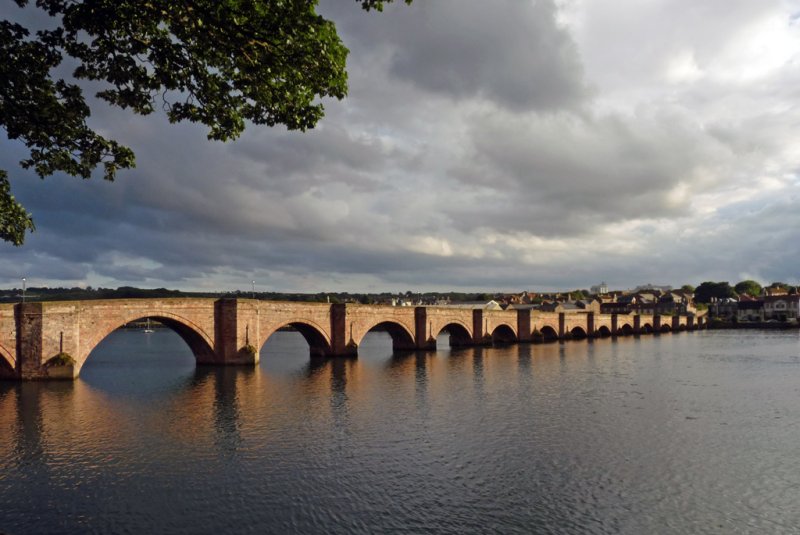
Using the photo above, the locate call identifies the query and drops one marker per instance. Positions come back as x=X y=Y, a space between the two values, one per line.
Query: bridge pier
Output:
x=423 y=338
x=342 y=343
x=29 y=342
x=235 y=331
x=43 y=352
x=479 y=335
x=524 y=331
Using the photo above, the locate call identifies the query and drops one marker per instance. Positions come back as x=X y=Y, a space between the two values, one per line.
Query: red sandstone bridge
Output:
x=230 y=331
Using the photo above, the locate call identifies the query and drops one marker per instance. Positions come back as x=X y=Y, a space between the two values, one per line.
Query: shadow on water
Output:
x=458 y=358
x=416 y=363
x=227 y=383
x=525 y=360
x=478 y=372
x=318 y=365
x=30 y=425
x=339 y=367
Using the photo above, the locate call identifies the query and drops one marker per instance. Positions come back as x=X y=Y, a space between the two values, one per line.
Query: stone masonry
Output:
x=52 y=340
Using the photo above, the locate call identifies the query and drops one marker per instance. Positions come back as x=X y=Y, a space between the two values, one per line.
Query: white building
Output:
x=600 y=289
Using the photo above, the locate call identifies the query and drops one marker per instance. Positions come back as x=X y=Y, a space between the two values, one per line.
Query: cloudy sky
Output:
x=488 y=145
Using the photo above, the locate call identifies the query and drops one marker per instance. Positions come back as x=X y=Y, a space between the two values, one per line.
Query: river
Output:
x=678 y=433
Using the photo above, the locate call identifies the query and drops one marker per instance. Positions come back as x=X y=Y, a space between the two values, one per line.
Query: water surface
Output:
x=679 y=433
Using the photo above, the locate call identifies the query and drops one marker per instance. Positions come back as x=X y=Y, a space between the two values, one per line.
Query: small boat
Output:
x=147 y=328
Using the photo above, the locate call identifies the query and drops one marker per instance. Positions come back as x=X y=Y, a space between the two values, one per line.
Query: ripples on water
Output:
x=684 y=433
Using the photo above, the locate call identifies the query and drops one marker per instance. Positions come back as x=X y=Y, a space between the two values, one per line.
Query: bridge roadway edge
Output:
x=229 y=331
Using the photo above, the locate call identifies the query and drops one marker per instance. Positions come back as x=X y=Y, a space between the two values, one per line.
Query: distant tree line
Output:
x=129 y=292
x=721 y=290
x=703 y=294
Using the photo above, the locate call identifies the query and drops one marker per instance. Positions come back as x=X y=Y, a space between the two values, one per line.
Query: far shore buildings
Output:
x=764 y=308
x=773 y=306
x=652 y=301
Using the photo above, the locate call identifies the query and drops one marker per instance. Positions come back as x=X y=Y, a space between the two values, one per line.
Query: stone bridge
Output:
x=231 y=331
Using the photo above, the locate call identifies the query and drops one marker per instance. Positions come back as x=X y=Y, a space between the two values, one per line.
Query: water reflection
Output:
x=29 y=431
x=226 y=384
x=421 y=382
x=414 y=364
x=524 y=366
x=680 y=433
x=477 y=372
x=339 y=401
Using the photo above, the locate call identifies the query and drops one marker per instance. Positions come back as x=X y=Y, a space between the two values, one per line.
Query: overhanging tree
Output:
x=216 y=62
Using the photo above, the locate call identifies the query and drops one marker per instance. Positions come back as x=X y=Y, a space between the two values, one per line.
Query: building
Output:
x=600 y=289
x=750 y=310
x=485 y=305
x=674 y=303
x=781 y=307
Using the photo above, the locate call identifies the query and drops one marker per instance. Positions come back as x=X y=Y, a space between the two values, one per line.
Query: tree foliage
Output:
x=14 y=221
x=749 y=287
x=778 y=286
x=578 y=295
x=708 y=290
x=215 y=62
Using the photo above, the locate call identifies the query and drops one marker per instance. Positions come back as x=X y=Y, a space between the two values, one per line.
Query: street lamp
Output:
x=23 y=289
x=254 y=289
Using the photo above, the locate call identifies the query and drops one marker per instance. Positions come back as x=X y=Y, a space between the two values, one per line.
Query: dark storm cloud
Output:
x=508 y=51
x=561 y=175
x=293 y=162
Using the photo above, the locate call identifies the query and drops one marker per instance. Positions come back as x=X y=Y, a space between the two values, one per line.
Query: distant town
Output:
x=743 y=303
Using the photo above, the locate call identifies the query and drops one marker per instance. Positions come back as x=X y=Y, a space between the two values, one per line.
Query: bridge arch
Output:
x=577 y=333
x=7 y=361
x=625 y=329
x=201 y=345
x=647 y=328
x=402 y=338
x=319 y=343
x=665 y=328
x=460 y=334
x=503 y=334
x=547 y=333
x=603 y=331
